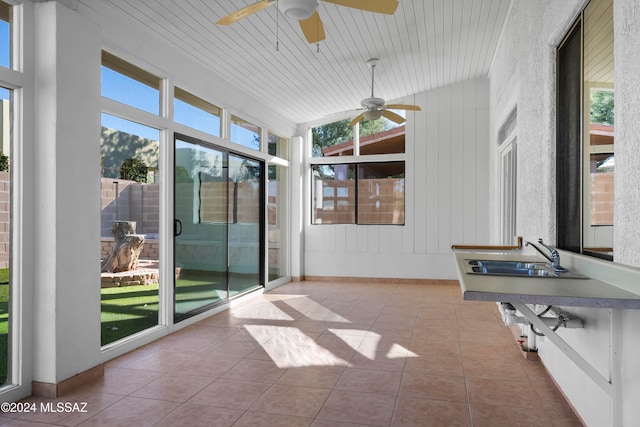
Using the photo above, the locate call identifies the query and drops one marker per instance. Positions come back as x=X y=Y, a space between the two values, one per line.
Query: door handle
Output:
x=177 y=227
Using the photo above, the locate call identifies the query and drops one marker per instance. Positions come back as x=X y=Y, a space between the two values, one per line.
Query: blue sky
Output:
x=131 y=92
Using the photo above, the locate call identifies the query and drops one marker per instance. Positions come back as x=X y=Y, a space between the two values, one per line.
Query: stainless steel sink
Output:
x=518 y=269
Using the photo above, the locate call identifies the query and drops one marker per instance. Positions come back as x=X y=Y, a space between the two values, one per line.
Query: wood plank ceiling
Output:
x=426 y=44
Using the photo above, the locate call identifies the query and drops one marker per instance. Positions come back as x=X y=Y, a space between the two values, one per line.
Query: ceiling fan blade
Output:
x=379 y=6
x=356 y=119
x=403 y=107
x=312 y=28
x=393 y=116
x=244 y=12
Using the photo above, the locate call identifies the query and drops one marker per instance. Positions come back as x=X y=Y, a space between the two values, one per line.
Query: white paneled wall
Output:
x=447 y=196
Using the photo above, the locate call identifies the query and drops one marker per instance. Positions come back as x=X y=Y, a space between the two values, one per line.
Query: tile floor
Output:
x=327 y=354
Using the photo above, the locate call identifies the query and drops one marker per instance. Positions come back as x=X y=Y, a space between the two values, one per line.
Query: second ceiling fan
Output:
x=374 y=108
x=306 y=12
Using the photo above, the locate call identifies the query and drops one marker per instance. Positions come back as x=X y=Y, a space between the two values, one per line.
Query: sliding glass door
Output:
x=218 y=225
x=246 y=189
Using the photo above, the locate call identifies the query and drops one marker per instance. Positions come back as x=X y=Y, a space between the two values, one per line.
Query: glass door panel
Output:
x=245 y=224
x=201 y=218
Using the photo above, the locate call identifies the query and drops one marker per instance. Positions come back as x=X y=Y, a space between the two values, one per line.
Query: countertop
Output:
x=588 y=292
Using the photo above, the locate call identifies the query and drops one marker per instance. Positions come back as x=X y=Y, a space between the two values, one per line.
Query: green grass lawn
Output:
x=4 y=322
x=130 y=309
x=127 y=310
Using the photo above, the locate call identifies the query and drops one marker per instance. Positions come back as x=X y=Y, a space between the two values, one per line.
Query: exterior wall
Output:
x=523 y=76
x=446 y=196
x=133 y=202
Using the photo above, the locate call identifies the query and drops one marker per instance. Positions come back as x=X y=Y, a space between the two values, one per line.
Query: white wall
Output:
x=67 y=297
x=523 y=76
x=446 y=199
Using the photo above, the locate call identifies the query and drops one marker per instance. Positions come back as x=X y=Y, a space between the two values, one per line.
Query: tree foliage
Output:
x=338 y=132
x=601 y=102
x=134 y=170
x=4 y=162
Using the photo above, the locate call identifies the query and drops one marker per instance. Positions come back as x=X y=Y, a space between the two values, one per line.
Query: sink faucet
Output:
x=554 y=256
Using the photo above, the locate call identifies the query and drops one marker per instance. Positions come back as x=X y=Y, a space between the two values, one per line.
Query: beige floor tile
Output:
x=505 y=367
x=160 y=361
x=358 y=408
x=370 y=381
x=487 y=416
x=230 y=394
x=132 y=411
x=434 y=365
x=207 y=366
x=312 y=376
x=175 y=388
x=254 y=370
x=501 y=392
x=438 y=387
x=121 y=381
x=433 y=347
x=232 y=348
x=327 y=354
x=390 y=360
x=262 y=419
x=190 y=415
x=292 y=400
x=411 y=412
x=426 y=331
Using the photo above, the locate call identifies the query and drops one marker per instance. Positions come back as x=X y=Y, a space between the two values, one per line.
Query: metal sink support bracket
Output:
x=560 y=318
x=565 y=348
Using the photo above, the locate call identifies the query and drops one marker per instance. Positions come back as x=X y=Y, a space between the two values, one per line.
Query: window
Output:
x=5 y=233
x=381 y=136
x=380 y=193
x=333 y=194
x=5 y=35
x=129 y=194
x=130 y=202
x=189 y=110
x=585 y=134
x=276 y=223
x=245 y=133
x=332 y=139
x=278 y=146
x=130 y=85
x=358 y=193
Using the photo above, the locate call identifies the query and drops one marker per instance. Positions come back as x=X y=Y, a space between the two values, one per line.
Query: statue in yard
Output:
x=127 y=246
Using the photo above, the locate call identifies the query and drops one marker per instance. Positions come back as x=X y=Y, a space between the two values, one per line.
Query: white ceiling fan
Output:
x=376 y=107
x=306 y=13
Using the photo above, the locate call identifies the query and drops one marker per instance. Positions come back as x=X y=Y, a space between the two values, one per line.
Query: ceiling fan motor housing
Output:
x=372 y=103
x=297 y=9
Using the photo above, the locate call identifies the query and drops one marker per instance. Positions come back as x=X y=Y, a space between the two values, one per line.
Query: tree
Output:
x=601 y=102
x=338 y=132
x=329 y=135
x=134 y=170
x=4 y=162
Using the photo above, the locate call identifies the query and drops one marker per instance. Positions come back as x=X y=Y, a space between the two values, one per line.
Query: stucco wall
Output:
x=523 y=77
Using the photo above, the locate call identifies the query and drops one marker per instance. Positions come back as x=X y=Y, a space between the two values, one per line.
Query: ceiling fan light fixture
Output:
x=297 y=9
x=372 y=114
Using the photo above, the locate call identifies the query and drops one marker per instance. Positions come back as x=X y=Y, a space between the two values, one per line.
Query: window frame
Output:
x=356 y=197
